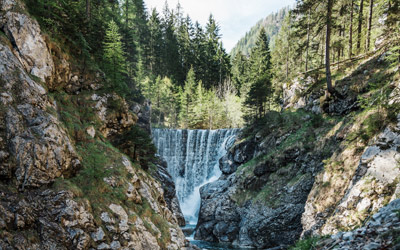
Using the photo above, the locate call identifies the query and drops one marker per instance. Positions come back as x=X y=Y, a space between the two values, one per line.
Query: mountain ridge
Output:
x=272 y=24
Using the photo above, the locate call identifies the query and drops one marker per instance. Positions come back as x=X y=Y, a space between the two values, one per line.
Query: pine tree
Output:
x=261 y=76
x=155 y=44
x=186 y=98
x=114 y=58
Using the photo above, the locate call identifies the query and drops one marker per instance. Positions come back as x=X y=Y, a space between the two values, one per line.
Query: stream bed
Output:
x=189 y=233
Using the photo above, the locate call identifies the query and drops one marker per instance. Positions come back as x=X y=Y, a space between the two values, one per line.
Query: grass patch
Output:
x=369 y=127
x=306 y=244
x=298 y=131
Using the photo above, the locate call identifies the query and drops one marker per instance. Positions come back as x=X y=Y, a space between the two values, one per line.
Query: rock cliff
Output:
x=324 y=165
x=63 y=184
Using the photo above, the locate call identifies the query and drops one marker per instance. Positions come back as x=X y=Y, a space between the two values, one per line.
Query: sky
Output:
x=235 y=17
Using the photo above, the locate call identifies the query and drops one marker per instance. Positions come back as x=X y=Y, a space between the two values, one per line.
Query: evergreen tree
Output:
x=261 y=77
x=186 y=98
x=239 y=70
x=114 y=58
x=155 y=44
x=171 y=56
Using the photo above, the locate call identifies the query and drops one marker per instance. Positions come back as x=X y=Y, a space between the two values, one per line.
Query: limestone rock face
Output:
x=374 y=183
x=62 y=222
x=25 y=35
x=31 y=138
x=380 y=232
x=35 y=150
x=114 y=114
x=143 y=112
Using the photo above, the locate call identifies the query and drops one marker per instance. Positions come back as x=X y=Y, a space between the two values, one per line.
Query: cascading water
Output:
x=193 y=160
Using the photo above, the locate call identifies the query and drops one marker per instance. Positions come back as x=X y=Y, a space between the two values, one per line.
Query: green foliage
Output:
x=371 y=126
x=306 y=244
x=114 y=59
x=138 y=145
x=93 y=161
x=317 y=121
x=392 y=30
x=76 y=113
x=258 y=90
x=192 y=106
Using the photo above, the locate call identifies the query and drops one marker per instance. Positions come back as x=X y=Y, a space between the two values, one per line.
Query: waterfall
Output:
x=193 y=160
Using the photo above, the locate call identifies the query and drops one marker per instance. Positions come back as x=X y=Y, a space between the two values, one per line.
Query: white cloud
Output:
x=234 y=16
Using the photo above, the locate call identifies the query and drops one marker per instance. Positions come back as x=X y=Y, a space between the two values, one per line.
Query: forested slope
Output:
x=272 y=24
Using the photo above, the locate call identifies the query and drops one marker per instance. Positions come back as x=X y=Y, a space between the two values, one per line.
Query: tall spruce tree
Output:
x=260 y=78
x=114 y=59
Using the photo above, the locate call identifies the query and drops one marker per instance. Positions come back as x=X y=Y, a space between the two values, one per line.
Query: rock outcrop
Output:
x=35 y=147
x=375 y=182
x=51 y=195
x=113 y=113
x=382 y=231
x=168 y=186
x=44 y=220
x=28 y=43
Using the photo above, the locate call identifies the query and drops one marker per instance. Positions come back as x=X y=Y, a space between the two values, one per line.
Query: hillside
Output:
x=272 y=24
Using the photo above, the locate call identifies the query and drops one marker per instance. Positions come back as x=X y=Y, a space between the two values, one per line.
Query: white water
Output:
x=193 y=161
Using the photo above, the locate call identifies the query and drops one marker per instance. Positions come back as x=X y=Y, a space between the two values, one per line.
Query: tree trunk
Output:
x=371 y=7
x=360 y=19
x=327 y=47
x=351 y=29
x=308 y=38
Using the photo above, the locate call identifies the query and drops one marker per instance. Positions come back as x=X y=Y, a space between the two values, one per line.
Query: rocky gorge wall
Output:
x=320 y=167
x=63 y=185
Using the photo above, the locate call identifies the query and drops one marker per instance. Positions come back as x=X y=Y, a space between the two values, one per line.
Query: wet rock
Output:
x=225 y=217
